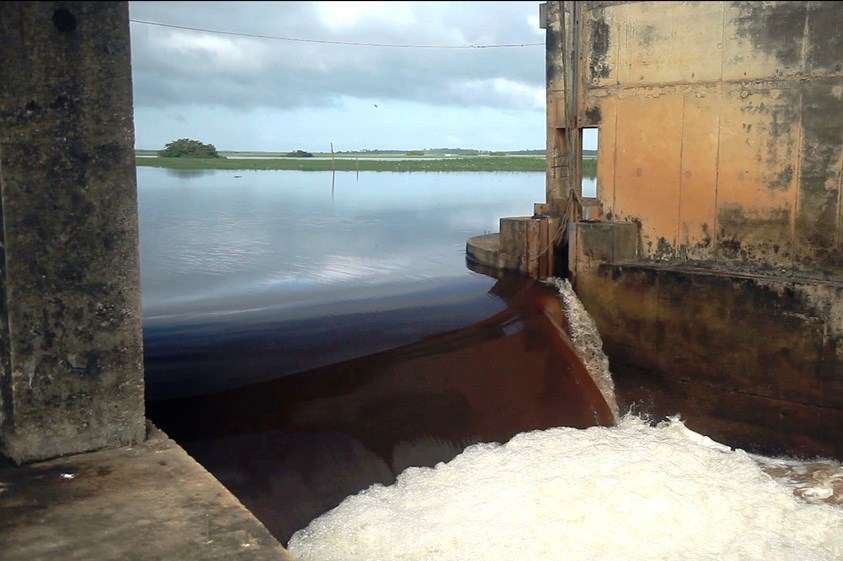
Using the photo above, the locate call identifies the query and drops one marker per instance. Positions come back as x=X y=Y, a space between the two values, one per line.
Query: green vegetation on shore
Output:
x=353 y=163
x=188 y=148
x=491 y=163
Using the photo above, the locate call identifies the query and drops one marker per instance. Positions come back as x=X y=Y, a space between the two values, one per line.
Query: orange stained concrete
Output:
x=721 y=126
x=698 y=176
x=649 y=146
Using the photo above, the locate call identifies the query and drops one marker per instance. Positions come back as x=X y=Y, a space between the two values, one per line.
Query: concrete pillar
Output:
x=71 y=368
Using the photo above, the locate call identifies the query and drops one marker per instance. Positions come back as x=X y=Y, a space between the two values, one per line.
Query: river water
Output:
x=318 y=343
x=343 y=267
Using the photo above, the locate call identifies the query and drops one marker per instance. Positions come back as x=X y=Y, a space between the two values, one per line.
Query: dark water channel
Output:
x=303 y=340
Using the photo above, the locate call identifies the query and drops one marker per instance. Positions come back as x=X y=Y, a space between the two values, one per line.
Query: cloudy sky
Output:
x=251 y=93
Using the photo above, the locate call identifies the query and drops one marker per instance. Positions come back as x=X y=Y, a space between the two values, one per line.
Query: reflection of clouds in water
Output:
x=339 y=268
x=342 y=268
x=481 y=220
x=228 y=256
x=279 y=233
x=189 y=173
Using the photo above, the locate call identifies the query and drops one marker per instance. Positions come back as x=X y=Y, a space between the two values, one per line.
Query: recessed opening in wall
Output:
x=589 y=162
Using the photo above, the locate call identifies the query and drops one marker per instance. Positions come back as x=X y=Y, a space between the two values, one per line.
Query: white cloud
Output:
x=344 y=15
x=504 y=92
x=214 y=51
x=247 y=93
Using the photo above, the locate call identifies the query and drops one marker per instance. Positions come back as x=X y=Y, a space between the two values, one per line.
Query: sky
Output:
x=265 y=94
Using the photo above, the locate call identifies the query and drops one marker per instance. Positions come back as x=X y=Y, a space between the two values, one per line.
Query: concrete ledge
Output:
x=485 y=250
x=524 y=245
x=150 y=502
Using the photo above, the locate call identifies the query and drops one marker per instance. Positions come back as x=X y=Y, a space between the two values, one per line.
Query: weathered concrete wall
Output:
x=721 y=128
x=716 y=278
x=564 y=141
x=71 y=375
x=751 y=361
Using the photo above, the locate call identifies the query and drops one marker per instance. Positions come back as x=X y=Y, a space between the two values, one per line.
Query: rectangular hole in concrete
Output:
x=589 y=162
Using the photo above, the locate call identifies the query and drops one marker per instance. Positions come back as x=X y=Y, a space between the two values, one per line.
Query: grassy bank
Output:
x=490 y=163
x=472 y=163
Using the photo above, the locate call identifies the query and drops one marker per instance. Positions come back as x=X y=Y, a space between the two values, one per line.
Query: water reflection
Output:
x=189 y=173
x=270 y=238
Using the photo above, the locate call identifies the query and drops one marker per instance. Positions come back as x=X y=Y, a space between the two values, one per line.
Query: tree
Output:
x=298 y=154
x=187 y=148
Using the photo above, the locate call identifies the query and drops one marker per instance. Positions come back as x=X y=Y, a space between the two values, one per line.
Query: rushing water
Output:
x=311 y=338
x=632 y=492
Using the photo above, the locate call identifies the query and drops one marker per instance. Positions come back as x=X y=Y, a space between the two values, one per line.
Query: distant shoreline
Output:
x=429 y=163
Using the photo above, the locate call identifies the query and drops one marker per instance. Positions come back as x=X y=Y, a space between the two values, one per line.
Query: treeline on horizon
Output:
x=391 y=152
x=459 y=152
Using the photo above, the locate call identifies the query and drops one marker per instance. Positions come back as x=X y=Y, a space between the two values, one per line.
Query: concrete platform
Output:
x=525 y=245
x=485 y=250
x=145 y=502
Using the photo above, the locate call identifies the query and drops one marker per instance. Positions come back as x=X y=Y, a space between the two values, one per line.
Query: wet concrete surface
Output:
x=146 y=502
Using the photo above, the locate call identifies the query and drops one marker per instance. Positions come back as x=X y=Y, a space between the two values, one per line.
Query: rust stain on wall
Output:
x=765 y=380
x=697 y=179
x=649 y=141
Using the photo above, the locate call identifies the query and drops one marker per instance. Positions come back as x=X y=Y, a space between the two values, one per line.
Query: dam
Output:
x=708 y=260
x=710 y=255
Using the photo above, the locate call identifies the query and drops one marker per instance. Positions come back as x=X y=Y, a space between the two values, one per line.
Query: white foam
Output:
x=631 y=492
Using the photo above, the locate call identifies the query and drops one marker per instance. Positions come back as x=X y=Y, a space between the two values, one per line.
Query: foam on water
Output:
x=630 y=492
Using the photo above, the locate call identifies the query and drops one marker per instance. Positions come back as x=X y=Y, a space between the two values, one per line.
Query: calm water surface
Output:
x=336 y=266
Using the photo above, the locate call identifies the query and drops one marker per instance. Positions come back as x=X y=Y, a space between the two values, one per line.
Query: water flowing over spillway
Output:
x=586 y=340
x=634 y=491
x=295 y=445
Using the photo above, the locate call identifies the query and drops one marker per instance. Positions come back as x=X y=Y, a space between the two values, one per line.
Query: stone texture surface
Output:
x=147 y=502
x=71 y=377
x=751 y=361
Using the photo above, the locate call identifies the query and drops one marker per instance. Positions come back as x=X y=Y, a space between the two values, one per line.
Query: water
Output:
x=306 y=269
x=294 y=446
x=632 y=492
x=212 y=243
x=306 y=339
